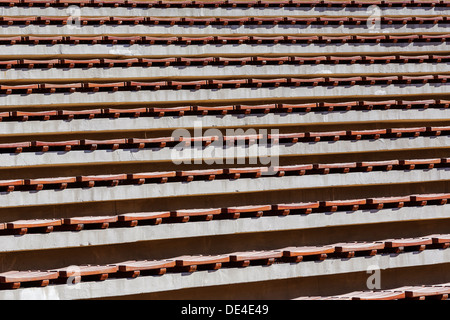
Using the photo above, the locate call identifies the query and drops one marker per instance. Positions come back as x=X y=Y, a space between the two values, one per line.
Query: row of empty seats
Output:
x=219 y=141
x=192 y=263
x=425 y=292
x=49 y=20
x=212 y=174
x=215 y=40
x=217 y=84
x=219 y=61
x=22 y=227
x=225 y=3
x=227 y=109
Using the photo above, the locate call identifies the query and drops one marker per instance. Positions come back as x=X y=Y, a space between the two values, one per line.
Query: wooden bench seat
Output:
x=343 y=80
x=423 y=163
x=132 y=219
x=258 y=83
x=204 y=110
x=14 y=279
x=110 y=179
x=8 y=64
x=297 y=254
x=204 y=61
x=44 y=146
x=48 y=64
x=407 y=38
x=245 y=138
x=86 y=272
x=84 y=63
x=440 y=240
x=235 y=61
x=10 y=185
x=208 y=174
x=116 y=113
x=198 y=141
x=244 y=259
x=325 y=135
x=111 y=86
x=407 y=244
x=270 y=60
x=252 y=210
x=110 y=63
x=326 y=168
x=422 y=292
x=127 y=20
x=350 y=249
x=159 y=176
x=254 y=172
x=192 y=263
x=296 y=82
x=195 y=84
x=313 y=60
x=369 y=105
x=380 y=80
x=133 y=268
x=93 y=20
x=433 y=198
x=21 y=226
x=112 y=144
x=399 y=132
x=61 y=182
x=36 y=40
x=150 y=142
x=384 y=165
x=27 y=88
x=160 y=112
x=372 y=133
x=299 y=169
x=285 y=137
x=15 y=147
x=11 y=40
x=189 y=40
x=26 y=115
x=71 y=114
x=437 y=131
x=78 y=223
x=83 y=39
x=219 y=84
x=341 y=59
x=303 y=207
x=304 y=107
x=185 y=214
x=377 y=295
x=330 y=106
x=333 y=205
x=381 y=202
x=247 y=109
x=148 y=62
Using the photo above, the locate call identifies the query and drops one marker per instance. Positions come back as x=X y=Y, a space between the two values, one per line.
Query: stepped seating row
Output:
x=219 y=141
x=216 y=84
x=222 y=110
x=225 y=3
x=192 y=263
x=203 y=40
x=425 y=292
x=22 y=227
x=222 y=61
x=49 y=20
